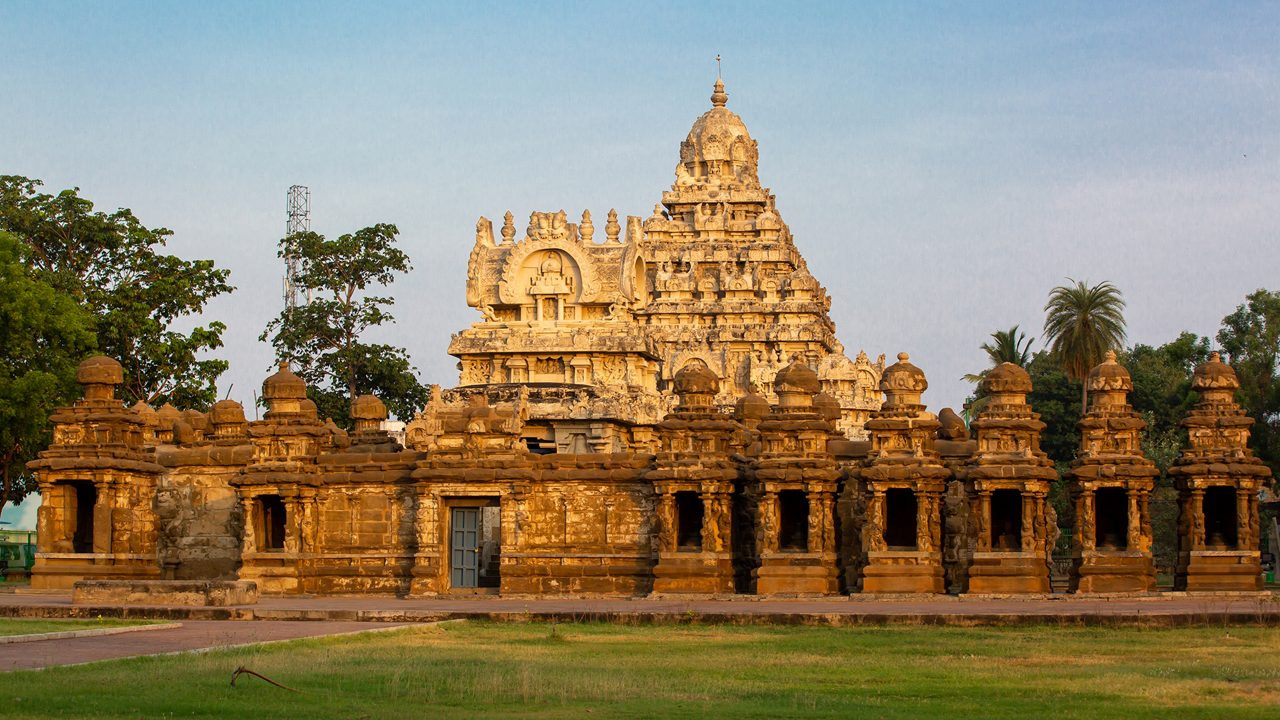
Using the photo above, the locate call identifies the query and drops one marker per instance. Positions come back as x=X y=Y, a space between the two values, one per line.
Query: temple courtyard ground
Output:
x=573 y=670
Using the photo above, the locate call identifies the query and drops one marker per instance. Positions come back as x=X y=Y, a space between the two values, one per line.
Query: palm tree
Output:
x=1009 y=345
x=1082 y=323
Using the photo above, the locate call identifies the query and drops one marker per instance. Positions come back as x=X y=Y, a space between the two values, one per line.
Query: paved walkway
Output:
x=192 y=635
x=1164 y=608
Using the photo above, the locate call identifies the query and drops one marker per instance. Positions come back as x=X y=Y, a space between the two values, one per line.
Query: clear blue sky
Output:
x=942 y=165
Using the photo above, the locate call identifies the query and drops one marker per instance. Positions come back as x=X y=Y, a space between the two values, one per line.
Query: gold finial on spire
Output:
x=718 y=75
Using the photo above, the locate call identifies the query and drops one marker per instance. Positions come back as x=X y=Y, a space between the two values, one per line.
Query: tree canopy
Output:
x=43 y=337
x=324 y=338
x=1250 y=337
x=114 y=267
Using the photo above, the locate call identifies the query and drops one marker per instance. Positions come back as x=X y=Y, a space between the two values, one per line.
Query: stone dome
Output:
x=100 y=370
x=1007 y=378
x=903 y=376
x=169 y=413
x=284 y=385
x=307 y=406
x=368 y=407
x=696 y=379
x=226 y=412
x=1109 y=376
x=145 y=411
x=718 y=145
x=1214 y=375
x=827 y=406
x=751 y=407
x=796 y=378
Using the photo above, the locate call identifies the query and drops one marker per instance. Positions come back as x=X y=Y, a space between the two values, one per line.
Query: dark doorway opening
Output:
x=1006 y=520
x=793 y=520
x=1220 y=520
x=1111 y=505
x=688 y=521
x=271 y=522
x=900 y=514
x=85 y=497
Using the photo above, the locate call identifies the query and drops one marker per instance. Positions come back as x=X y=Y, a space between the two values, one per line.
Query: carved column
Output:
x=102 y=517
x=1196 y=511
x=827 y=501
x=983 y=515
x=1134 y=539
x=667 y=522
x=770 y=521
x=1087 y=521
x=1243 y=539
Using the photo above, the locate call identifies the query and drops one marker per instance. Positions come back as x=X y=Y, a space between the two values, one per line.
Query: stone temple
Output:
x=663 y=411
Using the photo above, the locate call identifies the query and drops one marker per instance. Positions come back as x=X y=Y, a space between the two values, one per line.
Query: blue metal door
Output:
x=464 y=552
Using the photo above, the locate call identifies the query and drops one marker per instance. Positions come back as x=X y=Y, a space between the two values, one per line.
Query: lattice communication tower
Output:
x=299 y=211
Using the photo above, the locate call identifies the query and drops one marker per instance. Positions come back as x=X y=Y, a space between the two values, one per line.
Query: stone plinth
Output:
x=196 y=593
x=903 y=571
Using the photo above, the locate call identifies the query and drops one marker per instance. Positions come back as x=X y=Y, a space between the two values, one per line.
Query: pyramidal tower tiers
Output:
x=586 y=334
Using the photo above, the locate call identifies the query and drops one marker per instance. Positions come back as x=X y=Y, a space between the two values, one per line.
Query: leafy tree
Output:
x=1081 y=325
x=43 y=336
x=114 y=267
x=323 y=337
x=1162 y=381
x=1250 y=337
x=1053 y=396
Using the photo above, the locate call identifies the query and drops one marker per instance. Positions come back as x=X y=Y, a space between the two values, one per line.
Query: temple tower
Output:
x=97 y=485
x=1007 y=482
x=693 y=479
x=793 y=487
x=597 y=330
x=1218 y=479
x=1110 y=484
x=902 y=484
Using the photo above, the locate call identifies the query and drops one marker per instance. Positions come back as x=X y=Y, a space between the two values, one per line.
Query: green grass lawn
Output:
x=31 y=627
x=467 y=670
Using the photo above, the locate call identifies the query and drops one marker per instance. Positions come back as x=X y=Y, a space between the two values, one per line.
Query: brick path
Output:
x=193 y=635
